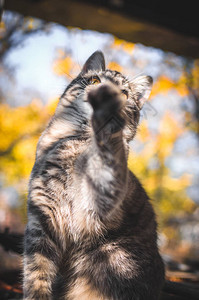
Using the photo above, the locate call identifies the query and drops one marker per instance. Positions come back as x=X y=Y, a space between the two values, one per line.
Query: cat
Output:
x=91 y=231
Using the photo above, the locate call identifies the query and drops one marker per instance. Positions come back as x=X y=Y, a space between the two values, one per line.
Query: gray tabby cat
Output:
x=91 y=232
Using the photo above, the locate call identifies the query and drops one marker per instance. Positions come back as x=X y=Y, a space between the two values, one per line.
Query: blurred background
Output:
x=43 y=45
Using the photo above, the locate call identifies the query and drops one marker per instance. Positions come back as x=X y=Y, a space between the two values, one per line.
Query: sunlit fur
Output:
x=91 y=232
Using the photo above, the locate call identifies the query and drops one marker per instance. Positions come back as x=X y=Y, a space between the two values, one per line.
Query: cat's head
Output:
x=95 y=75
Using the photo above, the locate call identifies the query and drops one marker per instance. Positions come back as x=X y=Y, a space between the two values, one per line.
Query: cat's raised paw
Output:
x=107 y=102
x=105 y=99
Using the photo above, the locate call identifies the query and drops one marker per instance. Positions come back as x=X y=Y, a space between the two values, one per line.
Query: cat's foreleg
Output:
x=102 y=168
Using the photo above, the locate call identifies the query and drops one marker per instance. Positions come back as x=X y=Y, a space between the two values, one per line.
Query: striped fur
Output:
x=91 y=231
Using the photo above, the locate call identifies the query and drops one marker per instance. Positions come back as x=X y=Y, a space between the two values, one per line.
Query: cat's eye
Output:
x=125 y=94
x=94 y=80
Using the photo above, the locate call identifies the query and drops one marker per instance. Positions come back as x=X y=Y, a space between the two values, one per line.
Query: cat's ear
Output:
x=141 y=88
x=95 y=62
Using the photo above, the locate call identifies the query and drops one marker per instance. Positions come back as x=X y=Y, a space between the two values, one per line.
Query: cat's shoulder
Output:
x=137 y=200
x=136 y=186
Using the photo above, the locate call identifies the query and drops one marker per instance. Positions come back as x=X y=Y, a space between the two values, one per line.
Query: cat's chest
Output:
x=75 y=223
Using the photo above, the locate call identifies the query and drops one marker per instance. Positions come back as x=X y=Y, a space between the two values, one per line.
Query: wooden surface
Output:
x=96 y=17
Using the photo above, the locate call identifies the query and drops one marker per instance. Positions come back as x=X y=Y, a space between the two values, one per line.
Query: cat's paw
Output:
x=107 y=102
x=105 y=99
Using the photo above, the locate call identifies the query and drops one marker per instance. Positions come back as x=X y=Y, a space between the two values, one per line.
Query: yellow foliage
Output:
x=168 y=193
x=164 y=84
x=2 y=26
x=170 y=130
x=131 y=161
x=20 y=130
x=51 y=106
x=114 y=66
x=17 y=121
x=175 y=184
x=144 y=133
x=181 y=85
x=170 y=233
x=121 y=44
x=30 y=22
x=63 y=66
x=195 y=75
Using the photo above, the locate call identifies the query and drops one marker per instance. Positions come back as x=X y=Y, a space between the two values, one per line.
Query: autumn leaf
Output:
x=121 y=44
x=114 y=66
x=63 y=66
x=20 y=130
x=164 y=84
